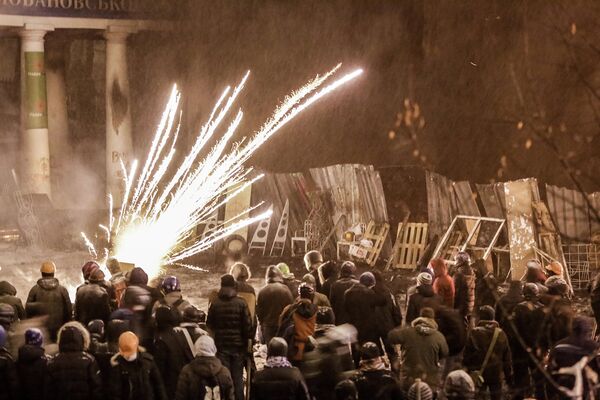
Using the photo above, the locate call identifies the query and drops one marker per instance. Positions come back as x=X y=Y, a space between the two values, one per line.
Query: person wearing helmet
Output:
x=50 y=298
x=172 y=297
x=312 y=261
x=31 y=365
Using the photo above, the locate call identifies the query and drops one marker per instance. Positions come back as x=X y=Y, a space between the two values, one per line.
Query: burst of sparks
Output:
x=159 y=212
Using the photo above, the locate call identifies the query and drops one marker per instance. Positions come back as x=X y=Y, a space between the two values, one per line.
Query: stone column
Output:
x=35 y=150
x=58 y=121
x=119 y=145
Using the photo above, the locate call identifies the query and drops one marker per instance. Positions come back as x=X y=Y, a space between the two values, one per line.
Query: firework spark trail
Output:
x=89 y=245
x=156 y=218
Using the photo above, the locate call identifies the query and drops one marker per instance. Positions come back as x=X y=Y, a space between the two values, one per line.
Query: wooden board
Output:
x=521 y=226
x=570 y=211
x=236 y=206
x=441 y=203
x=411 y=245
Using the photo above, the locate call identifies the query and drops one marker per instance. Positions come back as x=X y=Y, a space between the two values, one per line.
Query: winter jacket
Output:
x=92 y=302
x=9 y=381
x=424 y=296
x=279 y=383
x=452 y=326
x=229 y=321
x=73 y=373
x=527 y=315
x=506 y=306
x=443 y=285
x=8 y=295
x=389 y=315
x=171 y=354
x=303 y=314
x=336 y=298
x=464 y=285
x=271 y=301
x=201 y=375
x=174 y=300
x=499 y=363
x=377 y=385
x=31 y=366
x=559 y=315
x=423 y=346
x=53 y=299
x=486 y=290
x=360 y=304
x=136 y=380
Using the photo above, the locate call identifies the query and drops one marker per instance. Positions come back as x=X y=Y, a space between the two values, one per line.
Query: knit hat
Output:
x=555 y=267
x=462 y=257
x=2 y=336
x=368 y=351
x=459 y=384
x=346 y=390
x=205 y=346
x=309 y=279
x=88 y=268
x=227 y=280
x=166 y=317
x=128 y=344
x=285 y=270
x=97 y=275
x=367 y=279
x=138 y=276
x=277 y=347
x=348 y=269
x=424 y=279
x=306 y=291
x=48 y=267
x=96 y=327
x=487 y=313
x=34 y=337
x=531 y=291
x=420 y=391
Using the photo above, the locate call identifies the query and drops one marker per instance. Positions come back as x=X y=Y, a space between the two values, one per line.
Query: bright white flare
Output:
x=155 y=223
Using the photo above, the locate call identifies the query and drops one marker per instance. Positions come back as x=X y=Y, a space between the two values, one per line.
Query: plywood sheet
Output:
x=521 y=228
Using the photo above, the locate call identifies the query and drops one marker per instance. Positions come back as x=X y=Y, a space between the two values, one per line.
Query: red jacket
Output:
x=443 y=285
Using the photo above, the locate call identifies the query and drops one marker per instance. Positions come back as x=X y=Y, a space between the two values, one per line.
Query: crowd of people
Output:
x=332 y=334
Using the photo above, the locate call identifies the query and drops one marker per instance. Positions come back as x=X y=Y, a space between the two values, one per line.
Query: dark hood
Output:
x=71 y=338
x=306 y=309
x=7 y=289
x=48 y=283
x=138 y=277
x=226 y=293
x=29 y=353
x=425 y=290
x=206 y=367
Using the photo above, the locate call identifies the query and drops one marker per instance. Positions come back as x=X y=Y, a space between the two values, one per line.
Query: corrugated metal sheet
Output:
x=570 y=211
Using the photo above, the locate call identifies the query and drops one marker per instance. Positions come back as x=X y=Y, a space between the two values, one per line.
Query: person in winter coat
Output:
x=361 y=302
x=458 y=385
x=320 y=300
x=289 y=279
x=104 y=353
x=194 y=322
x=422 y=347
x=535 y=274
x=424 y=296
x=139 y=277
x=499 y=365
x=51 y=299
x=569 y=351
x=170 y=289
x=271 y=301
x=528 y=317
x=298 y=322
x=443 y=285
x=170 y=348
x=328 y=273
x=486 y=286
x=338 y=288
x=7 y=316
x=374 y=380
x=134 y=375
x=506 y=305
x=73 y=373
x=205 y=375
x=388 y=316
x=312 y=261
x=97 y=336
x=8 y=295
x=279 y=380
x=230 y=325
x=92 y=300
x=241 y=274
x=464 y=285
x=452 y=326
x=9 y=380
x=32 y=364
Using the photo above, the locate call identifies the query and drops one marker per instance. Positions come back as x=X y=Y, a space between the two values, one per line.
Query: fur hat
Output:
x=73 y=336
x=240 y=272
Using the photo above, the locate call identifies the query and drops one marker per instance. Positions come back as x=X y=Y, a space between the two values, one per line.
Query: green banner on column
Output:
x=35 y=90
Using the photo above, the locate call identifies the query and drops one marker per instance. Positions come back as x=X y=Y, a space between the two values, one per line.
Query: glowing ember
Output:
x=158 y=215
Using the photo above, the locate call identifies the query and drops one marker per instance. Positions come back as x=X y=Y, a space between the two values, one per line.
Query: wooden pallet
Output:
x=376 y=233
x=411 y=243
